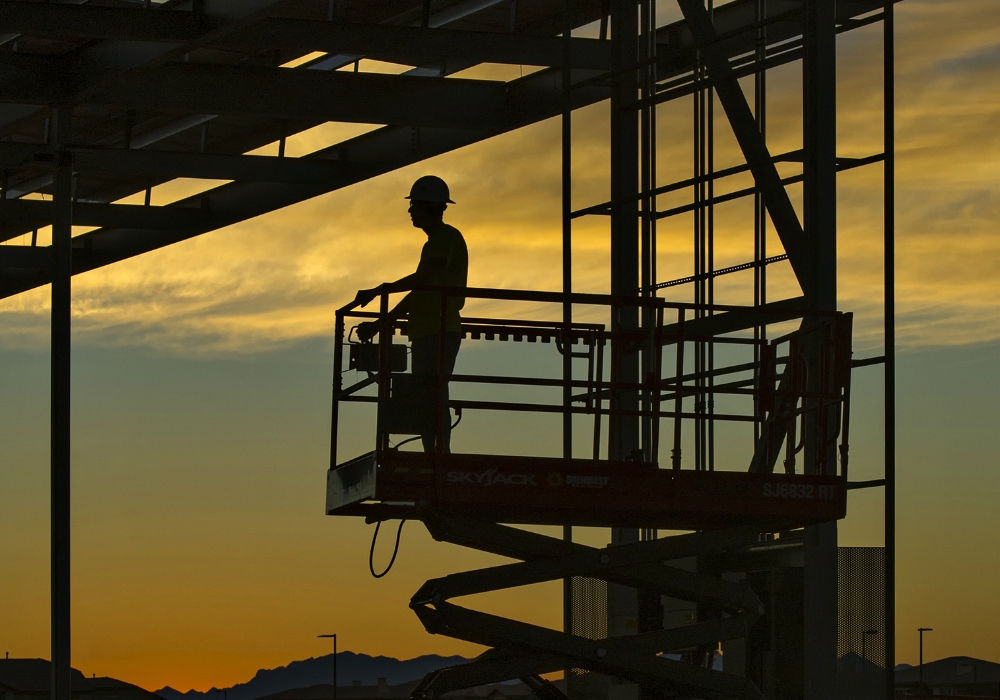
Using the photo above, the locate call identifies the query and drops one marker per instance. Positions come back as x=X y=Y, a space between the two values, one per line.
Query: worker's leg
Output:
x=424 y=361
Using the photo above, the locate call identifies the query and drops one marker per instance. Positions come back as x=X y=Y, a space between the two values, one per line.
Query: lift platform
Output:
x=790 y=389
x=578 y=492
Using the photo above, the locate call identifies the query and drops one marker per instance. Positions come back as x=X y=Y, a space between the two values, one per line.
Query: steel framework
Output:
x=104 y=99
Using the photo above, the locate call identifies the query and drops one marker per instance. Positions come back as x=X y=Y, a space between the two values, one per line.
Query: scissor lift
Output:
x=473 y=499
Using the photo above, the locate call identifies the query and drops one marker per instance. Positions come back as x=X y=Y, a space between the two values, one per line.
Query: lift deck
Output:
x=591 y=493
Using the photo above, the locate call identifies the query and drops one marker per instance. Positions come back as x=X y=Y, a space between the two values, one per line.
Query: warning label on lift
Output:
x=804 y=491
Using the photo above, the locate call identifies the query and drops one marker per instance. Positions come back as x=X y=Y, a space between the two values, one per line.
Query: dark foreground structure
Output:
x=107 y=99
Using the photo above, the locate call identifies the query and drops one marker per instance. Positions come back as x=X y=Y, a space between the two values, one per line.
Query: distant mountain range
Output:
x=313 y=671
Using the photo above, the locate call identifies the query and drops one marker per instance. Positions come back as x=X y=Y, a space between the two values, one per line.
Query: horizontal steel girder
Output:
x=418 y=45
x=171 y=164
x=34 y=213
x=95 y=22
x=283 y=93
x=399 y=44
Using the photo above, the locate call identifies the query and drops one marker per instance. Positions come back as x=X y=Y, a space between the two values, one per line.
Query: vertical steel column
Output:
x=820 y=210
x=889 y=254
x=62 y=232
x=760 y=213
x=645 y=218
x=623 y=601
x=567 y=275
x=710 y=260
x=625 y=214
x=567 y=226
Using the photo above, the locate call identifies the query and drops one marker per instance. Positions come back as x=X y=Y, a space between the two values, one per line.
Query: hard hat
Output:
x=430 y=188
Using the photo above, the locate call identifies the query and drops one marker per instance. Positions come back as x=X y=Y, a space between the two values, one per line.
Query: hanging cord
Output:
x=458 y=419
x=395 y=551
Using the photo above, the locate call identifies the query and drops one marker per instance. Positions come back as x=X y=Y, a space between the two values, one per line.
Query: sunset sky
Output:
x=202 y=380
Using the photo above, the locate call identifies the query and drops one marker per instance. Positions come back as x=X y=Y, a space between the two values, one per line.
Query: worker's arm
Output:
x=429 y=272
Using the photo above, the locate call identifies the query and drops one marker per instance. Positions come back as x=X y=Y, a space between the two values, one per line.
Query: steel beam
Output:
x=281 y=93
x=96 y=22
x=172 y=164
x=820 y=286
x=625 y=217
x=733 y=321
x=62 y=231
x=410 y=45
x=624 y=430
x=418 y=45
x=34 y=213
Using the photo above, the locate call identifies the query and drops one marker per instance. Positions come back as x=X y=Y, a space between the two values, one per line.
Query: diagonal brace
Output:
x=727 y=87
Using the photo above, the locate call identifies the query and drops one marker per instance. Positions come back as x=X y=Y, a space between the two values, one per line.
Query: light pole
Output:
x=920 y=672
x=334 y=636
x=864 y=653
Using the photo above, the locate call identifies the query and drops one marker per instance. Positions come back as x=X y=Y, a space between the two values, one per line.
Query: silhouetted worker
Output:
x=444 y=262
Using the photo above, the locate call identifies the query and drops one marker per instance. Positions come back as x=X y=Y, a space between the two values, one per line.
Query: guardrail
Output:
x=795 y=376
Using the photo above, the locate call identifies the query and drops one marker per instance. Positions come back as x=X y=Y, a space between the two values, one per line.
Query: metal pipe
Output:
x=675 y=454
x=338 y=385
x=889 y=262
x=920 y=669
x=385 y=333
x=599 y=403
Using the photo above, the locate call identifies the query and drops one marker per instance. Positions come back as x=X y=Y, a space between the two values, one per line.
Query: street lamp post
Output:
x=864 y=653
x=920 y=672
x=334 y=637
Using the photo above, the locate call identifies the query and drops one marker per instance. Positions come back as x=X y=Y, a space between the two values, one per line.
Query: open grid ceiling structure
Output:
x=104 y=100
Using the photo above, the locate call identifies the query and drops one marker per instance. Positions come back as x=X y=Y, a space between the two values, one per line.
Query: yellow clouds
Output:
x=278 y=279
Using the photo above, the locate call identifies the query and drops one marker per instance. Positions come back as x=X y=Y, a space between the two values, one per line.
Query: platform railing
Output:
x=802 y=378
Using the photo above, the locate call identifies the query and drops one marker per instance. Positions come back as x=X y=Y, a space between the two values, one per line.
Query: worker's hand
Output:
x=364 y=296
x=367 y=331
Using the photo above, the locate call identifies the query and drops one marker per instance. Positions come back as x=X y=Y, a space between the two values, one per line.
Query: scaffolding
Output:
x=104 y=100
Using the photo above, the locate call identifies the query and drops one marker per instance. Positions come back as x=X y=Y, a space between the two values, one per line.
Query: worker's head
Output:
x=429 y=198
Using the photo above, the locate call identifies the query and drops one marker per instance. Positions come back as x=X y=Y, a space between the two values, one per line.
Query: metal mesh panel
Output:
x=590 y=607
x=589 y=620
x=861 y=621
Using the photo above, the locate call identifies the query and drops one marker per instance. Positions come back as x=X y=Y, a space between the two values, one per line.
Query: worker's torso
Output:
x=447 y=243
